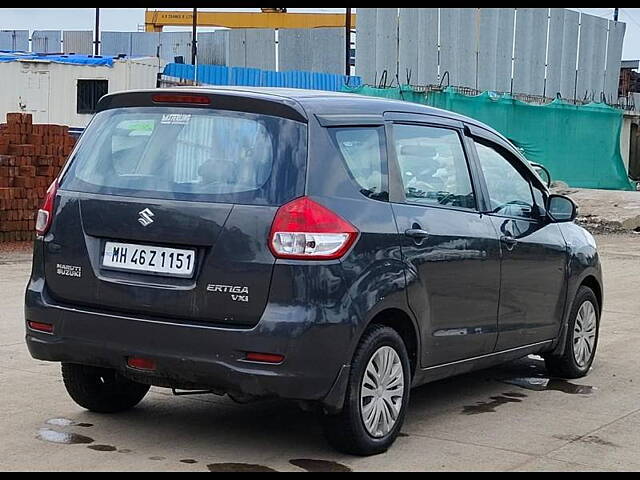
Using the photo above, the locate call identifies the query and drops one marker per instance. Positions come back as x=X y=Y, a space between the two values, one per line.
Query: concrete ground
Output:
x=477 y=421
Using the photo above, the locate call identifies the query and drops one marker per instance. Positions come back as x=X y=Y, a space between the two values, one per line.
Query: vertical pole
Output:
x=347 y=42
x=615 y=14
x=194 y=47
x=96 y=42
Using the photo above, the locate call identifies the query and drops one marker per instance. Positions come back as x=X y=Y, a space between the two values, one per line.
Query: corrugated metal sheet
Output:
x=16 y=40
x=46 y=41
x=530 y=50
x=591 y=56
x=248 y=77
x=495 y=48
x=457 y=50
x=562 y=53
x=221 y=75
x=614 y=57
x=207 y=74
x=77 y=41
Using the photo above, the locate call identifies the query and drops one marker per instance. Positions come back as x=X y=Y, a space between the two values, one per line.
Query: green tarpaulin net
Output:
x=580 y=145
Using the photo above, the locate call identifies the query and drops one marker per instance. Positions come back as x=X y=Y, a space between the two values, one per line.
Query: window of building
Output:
x=89 y=92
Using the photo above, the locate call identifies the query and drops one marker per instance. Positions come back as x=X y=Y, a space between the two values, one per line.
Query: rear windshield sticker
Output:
x=176 y=118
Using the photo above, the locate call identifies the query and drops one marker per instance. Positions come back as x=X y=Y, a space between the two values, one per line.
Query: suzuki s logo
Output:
x=145 y=217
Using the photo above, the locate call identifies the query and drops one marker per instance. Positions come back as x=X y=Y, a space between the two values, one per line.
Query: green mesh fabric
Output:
x=580 y=145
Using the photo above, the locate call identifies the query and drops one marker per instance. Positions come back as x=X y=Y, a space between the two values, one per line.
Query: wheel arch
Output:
x=403 y=324
x=592 y=282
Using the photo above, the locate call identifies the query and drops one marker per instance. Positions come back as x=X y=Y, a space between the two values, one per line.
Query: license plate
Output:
x=173 y=262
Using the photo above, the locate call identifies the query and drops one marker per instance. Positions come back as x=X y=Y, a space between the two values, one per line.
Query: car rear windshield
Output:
x=190 y=154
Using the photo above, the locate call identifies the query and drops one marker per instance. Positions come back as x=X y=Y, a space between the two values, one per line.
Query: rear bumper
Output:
x=197 y=356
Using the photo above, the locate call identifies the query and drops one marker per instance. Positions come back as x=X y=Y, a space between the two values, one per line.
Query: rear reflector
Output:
x=264 y=357
x=41 y=327
x=177 y=98
x=141 y=363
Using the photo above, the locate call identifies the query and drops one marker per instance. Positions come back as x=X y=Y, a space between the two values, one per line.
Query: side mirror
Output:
x=561 y=208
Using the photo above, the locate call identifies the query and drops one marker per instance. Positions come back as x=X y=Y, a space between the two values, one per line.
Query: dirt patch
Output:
x=605 y=211
x=591 y=439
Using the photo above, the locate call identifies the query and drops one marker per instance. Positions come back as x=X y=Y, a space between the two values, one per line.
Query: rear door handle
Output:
x=416 y=233
x=510 y=242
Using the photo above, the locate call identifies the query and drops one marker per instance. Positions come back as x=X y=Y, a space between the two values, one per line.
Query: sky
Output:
x=131 y=19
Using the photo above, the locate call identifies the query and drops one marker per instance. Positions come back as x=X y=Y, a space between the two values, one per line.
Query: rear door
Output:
x=534 y=252
x=165 y=212
x=451 y=249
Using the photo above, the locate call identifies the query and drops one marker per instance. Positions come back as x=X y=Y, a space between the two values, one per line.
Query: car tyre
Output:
x=581 y=339
x=101 y=390
x=347 y=431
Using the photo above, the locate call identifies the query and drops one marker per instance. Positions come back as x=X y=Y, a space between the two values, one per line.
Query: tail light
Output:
x=304 y=229
x=45 y=214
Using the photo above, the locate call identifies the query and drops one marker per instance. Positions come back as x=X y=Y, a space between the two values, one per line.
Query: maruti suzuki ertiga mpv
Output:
x=329 y=248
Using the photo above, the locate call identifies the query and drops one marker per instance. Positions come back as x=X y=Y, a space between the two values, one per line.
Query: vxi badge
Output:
x=238 y=293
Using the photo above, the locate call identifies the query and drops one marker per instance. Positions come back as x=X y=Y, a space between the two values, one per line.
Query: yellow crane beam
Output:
x=155 y=20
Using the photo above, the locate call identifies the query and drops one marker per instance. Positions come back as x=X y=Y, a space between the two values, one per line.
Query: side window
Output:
x=433 y=166
x=509 y=192
x=129 y=141
x=540 y=199
x=361 y=148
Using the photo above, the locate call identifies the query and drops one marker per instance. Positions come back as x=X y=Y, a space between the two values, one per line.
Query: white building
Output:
x=66 y=93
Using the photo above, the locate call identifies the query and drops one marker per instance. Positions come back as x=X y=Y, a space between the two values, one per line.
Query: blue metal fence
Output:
x=254 y=77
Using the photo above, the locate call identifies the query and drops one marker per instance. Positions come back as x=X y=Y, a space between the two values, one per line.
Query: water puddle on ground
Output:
x=311 y=465
x=540 y=384
x=489 y=407
x=238 y=467
x=157 y=458
x=103 y=448
x=64 y=438
x=188 y=460
x=65 y=422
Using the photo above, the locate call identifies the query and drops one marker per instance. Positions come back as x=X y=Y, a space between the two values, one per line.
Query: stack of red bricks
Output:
x=30 y=158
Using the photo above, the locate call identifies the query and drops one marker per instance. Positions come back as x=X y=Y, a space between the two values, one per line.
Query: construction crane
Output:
x=156 y=20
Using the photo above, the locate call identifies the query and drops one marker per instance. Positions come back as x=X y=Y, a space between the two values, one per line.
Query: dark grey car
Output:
x=329 y=248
